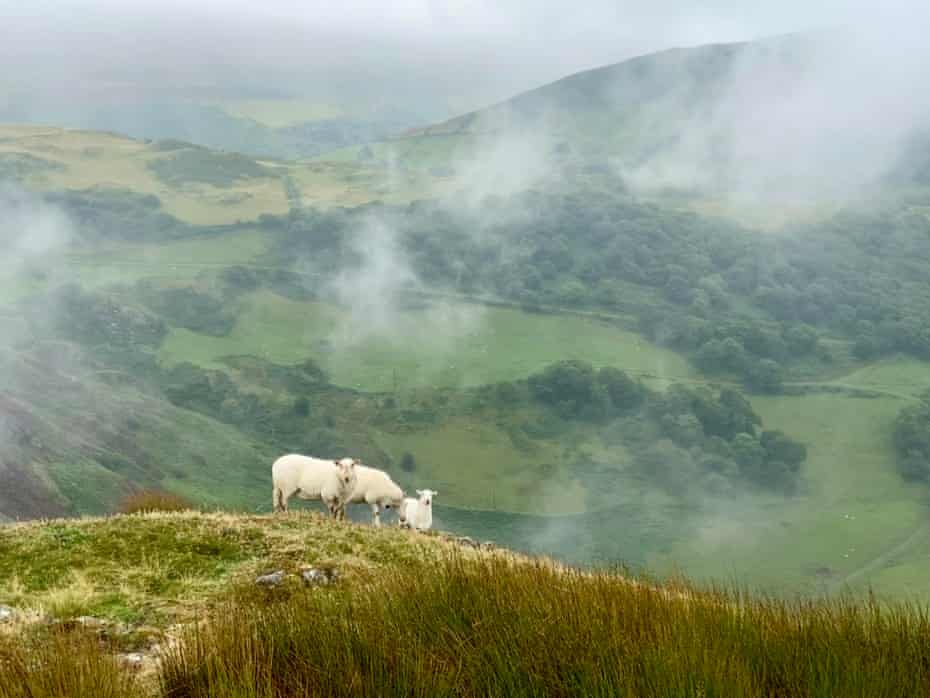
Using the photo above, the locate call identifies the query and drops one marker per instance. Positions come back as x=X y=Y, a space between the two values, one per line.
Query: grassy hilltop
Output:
x=167 y=604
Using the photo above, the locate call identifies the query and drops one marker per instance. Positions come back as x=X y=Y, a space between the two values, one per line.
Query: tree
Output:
x=778 y=447
x=749 y=454
x=722 y=355
x=571 y=387
x=408 y=463
x=912 y=441
x=623 y=391
x=800 y=340
x=764 y=376
x=301 y=407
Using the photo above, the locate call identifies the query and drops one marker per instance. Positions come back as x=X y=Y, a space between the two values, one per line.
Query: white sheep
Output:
x=377 y=489
x=313 y=478
x=418 y=513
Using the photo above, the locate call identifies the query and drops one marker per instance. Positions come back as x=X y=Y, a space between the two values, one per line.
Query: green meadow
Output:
x=479 y=345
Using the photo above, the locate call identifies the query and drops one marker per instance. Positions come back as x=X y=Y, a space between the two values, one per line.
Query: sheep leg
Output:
x=279 y=501
x=376 y=514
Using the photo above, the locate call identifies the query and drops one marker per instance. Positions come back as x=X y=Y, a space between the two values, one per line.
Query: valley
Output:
x=548 y=345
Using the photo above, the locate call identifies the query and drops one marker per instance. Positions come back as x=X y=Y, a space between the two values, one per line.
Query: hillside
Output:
x=277 y=126
x=168 y=604
x=753 y=131
x=192 y=183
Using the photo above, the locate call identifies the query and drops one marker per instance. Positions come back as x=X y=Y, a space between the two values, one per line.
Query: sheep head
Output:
x=346 y=468
x=426 y=497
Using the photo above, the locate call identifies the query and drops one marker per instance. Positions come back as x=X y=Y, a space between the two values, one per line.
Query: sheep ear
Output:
x=419 y=491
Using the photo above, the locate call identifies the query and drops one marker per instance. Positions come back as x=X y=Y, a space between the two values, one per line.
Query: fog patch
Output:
x=798 y=119
x=386 y=307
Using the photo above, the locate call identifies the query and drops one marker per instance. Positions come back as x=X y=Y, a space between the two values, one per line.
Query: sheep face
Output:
x=346 y=468
x=426 y=497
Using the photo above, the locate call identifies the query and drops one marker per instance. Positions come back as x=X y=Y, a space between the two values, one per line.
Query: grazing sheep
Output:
x=313 y=478
x=377 y=489
x=418 y=513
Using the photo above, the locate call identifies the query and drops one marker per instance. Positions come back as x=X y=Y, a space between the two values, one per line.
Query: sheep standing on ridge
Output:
x=313 y=478
x=377 y=489
x=418 y=513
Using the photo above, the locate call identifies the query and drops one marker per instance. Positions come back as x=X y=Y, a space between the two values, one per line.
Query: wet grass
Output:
x=494 y=627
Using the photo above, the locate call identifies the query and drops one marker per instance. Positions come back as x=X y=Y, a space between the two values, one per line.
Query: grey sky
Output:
x=460 y=53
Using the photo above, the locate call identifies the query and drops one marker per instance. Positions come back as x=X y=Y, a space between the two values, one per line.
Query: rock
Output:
x=489 y=545
x=470 y=542
x=90 y=622
x=315 y=576
x=270 y=580
x=133 y=659
x=7 y=614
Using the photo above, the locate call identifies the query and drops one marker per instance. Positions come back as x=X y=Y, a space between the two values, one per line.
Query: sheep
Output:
x=313 y=478
x=377 y=489
x=418 y=513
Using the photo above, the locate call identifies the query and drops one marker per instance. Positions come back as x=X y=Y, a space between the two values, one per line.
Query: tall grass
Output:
x=62 y=665
x=496 y=628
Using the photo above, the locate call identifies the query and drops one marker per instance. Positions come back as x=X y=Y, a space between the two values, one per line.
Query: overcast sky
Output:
x=463 y=53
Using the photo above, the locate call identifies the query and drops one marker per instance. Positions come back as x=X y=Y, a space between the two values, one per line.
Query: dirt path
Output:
x=882 y=559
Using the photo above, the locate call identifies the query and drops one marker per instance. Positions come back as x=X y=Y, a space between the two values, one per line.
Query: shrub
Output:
x=302 y=407
x=145 y=501
x=408 y=463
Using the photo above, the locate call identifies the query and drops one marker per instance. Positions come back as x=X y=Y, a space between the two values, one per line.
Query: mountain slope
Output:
x=766 y=131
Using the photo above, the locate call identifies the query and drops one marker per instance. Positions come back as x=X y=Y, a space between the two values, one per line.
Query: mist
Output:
x=428 y=59
x=32 y=235
x=801 y=119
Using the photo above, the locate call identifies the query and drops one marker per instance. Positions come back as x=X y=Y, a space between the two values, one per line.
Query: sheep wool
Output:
x=313 y=478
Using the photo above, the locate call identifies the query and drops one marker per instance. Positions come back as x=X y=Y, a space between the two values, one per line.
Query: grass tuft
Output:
x=63 y=665
x=148 y=501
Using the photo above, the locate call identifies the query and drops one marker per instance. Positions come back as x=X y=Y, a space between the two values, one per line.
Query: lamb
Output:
x=377 y=489
x=313 y=478
x=418 y=513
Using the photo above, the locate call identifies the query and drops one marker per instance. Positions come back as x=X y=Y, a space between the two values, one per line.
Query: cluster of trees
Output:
x=95 y=319
x=197 y=164
x=678 y=434
x=184 y=306
x=120 y=214
x=912 y=441
x=694 y=282
x=577 y=391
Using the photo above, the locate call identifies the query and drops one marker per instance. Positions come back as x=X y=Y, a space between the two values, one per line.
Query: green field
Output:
x=474 y=464
x=484 y=345
x=853 y=508
x=230 y=248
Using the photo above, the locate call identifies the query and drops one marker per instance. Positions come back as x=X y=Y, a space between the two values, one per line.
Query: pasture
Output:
x=86 y=160
x=475 y=464
x=440 y=345
x=852 y=509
